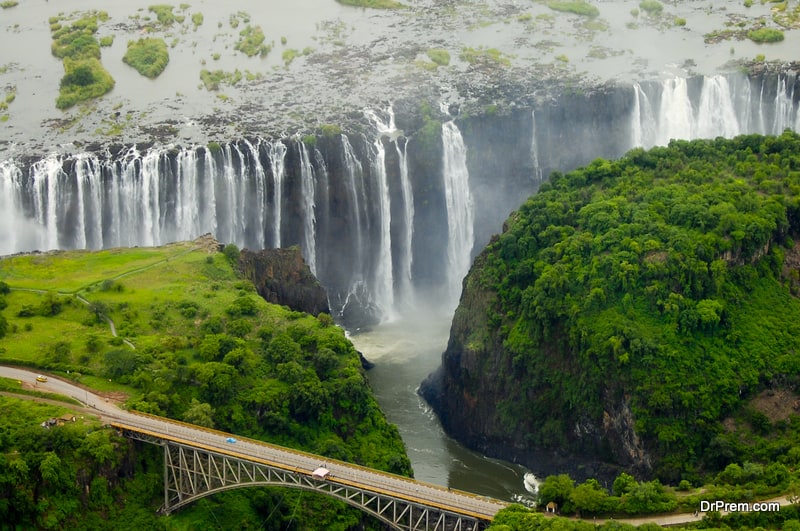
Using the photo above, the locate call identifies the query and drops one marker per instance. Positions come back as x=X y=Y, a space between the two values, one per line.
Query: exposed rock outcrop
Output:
x=281 y=276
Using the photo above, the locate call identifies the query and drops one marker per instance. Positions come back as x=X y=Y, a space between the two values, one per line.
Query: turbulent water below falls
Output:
x=405 y=351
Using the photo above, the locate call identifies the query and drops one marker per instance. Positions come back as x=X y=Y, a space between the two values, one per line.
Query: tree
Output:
x=231 y=252
x=200 y=413
x=588 y=496
x=556 y=489
x=623 y=484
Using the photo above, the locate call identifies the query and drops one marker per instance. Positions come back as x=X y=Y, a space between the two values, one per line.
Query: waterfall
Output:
x=277 y=154
x=10 y=214
x=666 y=110
x=209 y=206
x=458 y=199
x=354 y=183
x=308 y=190
x=406 y=254
x=351 y=207
x=537 y=170
x=675 y=115
x=715 y=114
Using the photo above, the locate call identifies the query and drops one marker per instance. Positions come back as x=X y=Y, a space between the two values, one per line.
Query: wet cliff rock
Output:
x=282 y=277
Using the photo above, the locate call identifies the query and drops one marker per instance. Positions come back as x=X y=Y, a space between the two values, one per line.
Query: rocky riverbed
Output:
x=328 y=61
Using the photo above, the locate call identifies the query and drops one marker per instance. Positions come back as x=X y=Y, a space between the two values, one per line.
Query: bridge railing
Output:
x=231 y=452
x=308 y=455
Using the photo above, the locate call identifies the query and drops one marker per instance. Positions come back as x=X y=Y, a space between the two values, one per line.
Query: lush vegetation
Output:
x=251 y=42
x=165 y=15
x=212 y=79
x=484 y=55
x=74 y=475
x=578 y=7
x=208 y=350
x=76 y=45
x=439 y=56
x=765 y=35
x=8 y=4
x=664 y=282
x=148 y=56
x=651 y=6
x=375 y=4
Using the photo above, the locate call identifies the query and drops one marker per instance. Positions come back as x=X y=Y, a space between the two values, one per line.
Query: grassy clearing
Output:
x=148 y=56
x=578 y=8
x=158 y=294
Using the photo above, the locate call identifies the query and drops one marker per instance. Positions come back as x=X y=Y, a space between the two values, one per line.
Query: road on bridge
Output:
x=296 y=461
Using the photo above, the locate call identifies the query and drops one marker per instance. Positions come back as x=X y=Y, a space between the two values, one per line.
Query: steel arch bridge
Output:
x=193 y=471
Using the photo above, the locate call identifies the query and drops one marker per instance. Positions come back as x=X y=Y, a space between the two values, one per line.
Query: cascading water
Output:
x=277 y=154
x=459 y=203
x=308 y=189
x=718 y=106
x=537 y=170
x=406 y=255
x=353 y=210
x=384 y=281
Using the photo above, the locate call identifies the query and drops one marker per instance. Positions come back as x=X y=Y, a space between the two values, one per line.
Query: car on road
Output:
x=230 y=440
x=41 y=378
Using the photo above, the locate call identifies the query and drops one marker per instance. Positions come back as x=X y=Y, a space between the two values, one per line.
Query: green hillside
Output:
x=195 y=343
x=642 y=313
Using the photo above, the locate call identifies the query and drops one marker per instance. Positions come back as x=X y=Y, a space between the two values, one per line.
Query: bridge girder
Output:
x=192 y=473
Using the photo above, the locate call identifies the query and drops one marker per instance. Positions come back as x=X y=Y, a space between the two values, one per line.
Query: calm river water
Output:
x=405 y=351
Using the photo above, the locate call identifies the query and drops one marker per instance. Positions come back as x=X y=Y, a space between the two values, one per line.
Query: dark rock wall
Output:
x=282 y=277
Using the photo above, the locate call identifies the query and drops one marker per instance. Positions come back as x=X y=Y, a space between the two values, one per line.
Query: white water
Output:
x=277 y=154
x=719 y=109
x=354 y=176
x=460 y=215
x=384 y=281
x=308 y=188
x=537 y=170
x=406 y=254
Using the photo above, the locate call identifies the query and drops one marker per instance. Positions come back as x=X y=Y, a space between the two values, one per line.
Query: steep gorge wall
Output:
x=327 y=194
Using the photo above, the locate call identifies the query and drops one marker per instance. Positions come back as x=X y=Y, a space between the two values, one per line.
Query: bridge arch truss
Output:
x=191 y=473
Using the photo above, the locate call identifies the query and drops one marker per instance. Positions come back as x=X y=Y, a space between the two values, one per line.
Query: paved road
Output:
x=424 y=493
x=295 y=460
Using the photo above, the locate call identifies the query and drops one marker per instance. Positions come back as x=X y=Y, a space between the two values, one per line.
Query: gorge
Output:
x=389 y=211
x=382 y=213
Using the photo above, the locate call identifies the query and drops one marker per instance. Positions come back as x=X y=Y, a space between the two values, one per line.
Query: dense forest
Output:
x=641 y=312
x=200 y=346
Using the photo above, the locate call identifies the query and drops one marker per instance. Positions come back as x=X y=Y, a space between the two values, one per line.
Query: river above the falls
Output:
x=405 y=351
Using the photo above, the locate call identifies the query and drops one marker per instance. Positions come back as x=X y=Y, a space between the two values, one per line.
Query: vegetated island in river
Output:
x=199 y=345
x=640 y=316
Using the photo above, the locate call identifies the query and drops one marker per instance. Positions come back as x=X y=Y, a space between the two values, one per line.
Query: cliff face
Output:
x=282 y=277
x=626 y=310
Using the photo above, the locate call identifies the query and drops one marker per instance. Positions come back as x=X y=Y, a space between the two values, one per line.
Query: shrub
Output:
x=251 y=42
x=375 y=4
x=439 y=56
x=762 y=35
x=148 y=56
x=84 y=79
x=651 y=6
x=231 y=252
x=577 y=7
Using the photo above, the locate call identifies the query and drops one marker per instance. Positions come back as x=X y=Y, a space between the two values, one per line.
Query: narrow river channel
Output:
x=405 y=351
